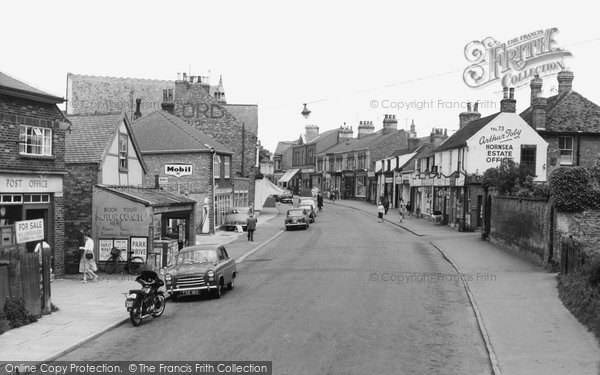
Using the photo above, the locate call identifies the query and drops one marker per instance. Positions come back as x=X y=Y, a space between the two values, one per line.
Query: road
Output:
x=347 y=296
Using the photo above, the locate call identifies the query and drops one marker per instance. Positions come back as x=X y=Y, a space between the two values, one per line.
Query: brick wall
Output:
x=522 y=226
x=78 y=188
x=589 y=149
x=584 y=226
x=15 y=112
x=194 y=105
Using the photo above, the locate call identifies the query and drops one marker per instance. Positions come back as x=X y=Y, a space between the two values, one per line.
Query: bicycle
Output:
x=134 y=264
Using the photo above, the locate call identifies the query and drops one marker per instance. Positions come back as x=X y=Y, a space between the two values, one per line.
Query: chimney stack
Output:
x=311 y=132
x=508 y=103
x=169 y=107
x=465 y=117
x=536 y=88
x=390 y=123
x=565 y=81
x=539 y=107
x=138 y=113
x=365 y=128
x=436 y=137
x=345 y=132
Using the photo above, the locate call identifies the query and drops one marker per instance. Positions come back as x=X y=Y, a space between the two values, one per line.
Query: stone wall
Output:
x=583 y=226
x=522 y=225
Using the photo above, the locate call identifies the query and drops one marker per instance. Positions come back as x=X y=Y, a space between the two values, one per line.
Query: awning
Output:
x=287 y=176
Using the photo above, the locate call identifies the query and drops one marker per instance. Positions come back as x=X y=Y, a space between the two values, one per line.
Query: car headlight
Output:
x=168 y=277
x=211 y=275
x=132 y=296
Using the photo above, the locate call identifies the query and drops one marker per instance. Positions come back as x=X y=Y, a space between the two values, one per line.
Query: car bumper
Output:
x=295 y=224
x=206 y=287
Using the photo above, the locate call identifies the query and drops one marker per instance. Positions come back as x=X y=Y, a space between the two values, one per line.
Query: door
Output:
x=479 y=210
x=33 y=213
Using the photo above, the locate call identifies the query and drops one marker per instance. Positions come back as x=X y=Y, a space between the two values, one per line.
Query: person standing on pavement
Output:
x=380 y=211
x=320 y=202
x=386 y=203
x=87 y=264
x=251 y=227
x=408 y=209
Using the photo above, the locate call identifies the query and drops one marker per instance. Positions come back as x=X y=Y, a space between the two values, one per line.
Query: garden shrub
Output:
x=16 y=313
x=570 y=188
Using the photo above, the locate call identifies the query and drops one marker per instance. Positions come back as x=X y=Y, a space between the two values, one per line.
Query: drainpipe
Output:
x=213 y=204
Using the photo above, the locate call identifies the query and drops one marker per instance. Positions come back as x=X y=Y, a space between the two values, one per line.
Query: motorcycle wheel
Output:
x=159 y=306
x=135 y=315
x=136 y=266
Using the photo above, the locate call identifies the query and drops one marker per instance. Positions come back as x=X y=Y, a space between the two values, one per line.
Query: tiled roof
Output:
x=149 y=196
x=90 y=137
x=459 y=139
x=355 y=144
x=282 y=146
x=568 y=113
x=163 y=132
x=244 y=113
x=12 y=85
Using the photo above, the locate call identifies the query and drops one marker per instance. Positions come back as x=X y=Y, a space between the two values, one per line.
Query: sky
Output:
x=350 y=61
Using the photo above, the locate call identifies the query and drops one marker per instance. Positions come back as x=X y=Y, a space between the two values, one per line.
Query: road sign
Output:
x=29 y=230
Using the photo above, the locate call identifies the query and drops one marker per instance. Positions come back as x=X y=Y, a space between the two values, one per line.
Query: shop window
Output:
x=565 y=150
x=528 y=158
x=34 y=140
x=123 y=141
x=36 y=198
x=227 y=166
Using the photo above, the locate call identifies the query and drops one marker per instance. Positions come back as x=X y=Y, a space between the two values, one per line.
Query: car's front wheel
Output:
x=217 y=293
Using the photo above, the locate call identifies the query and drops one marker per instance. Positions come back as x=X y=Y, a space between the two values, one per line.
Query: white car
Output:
x=307 y=202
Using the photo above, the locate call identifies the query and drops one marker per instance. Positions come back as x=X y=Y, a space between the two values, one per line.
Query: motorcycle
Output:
x=145 y=302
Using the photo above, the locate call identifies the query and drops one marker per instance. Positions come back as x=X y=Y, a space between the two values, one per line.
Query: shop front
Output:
x=28 y=197
x=140 y=220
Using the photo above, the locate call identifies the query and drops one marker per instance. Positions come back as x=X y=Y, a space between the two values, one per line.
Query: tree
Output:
x=508 y=178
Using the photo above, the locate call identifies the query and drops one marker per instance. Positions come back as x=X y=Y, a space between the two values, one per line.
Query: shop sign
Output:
x=443 y=193
x=15 y=183
x=389 y=180
x=370 y=174
x=29 y=230
x=178 y=170
x=104 y=247
x=121 y=244
x=139 y=246
x=460 y=181
x=162 y=181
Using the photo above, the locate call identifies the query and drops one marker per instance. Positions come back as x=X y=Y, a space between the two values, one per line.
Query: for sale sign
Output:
x=29 y=230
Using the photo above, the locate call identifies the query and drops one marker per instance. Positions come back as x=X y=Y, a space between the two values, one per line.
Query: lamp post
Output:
x=213 y=194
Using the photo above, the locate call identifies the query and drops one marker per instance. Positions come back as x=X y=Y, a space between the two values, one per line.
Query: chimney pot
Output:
x=565 y=81
x=179 y=76
x=469 y=107
x=476 y=107
x=505 y=91
x=512 y=93
x=138 y=112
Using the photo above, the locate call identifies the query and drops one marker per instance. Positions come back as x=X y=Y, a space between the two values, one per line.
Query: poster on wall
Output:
x=104 y=246
x=139 y=246
x=121 y=244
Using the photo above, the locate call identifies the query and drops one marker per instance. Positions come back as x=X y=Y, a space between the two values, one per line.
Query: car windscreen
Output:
x=306 y=207
x=296 y=213
x=307 y=203
x=197 y=257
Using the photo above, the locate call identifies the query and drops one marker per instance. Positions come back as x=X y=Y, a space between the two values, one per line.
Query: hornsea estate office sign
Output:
x=515 y=62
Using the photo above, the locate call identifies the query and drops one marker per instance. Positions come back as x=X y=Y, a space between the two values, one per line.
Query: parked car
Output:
x=286 y=197
x=297 y=218
x=307 y=202
x=200 y=269
x=236 y=216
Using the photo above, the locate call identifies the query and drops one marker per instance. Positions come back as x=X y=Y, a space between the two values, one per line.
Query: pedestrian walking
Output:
x=380 y=211
x=320 y=202
x=408 y=209
x=87 y=263
x=251 y=227
x=386 y=203
x=401 y=209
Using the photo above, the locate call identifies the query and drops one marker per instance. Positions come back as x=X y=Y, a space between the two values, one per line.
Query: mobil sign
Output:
x=178 y=170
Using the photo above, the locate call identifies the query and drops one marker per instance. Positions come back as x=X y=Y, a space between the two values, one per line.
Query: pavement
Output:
x=526 y=328
x=87 y=311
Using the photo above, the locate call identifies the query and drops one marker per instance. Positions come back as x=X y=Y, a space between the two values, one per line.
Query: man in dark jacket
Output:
x=386 y=203
x=251 y=227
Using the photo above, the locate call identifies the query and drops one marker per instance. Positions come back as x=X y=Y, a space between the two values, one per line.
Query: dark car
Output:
x=297 y=218
x=286 y=197
x=200 y=269
x=312 y=214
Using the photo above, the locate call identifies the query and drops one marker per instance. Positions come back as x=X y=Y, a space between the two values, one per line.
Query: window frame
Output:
x=227 y=167
x=560 y=150
x=217 y=166
x=123 y=154
x=25 y=141
x=529 y=148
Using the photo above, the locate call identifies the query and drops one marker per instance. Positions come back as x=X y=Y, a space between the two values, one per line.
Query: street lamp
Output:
x=305 y=112
x=213 y=193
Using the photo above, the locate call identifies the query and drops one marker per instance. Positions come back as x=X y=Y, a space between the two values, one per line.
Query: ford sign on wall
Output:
x=178 y=170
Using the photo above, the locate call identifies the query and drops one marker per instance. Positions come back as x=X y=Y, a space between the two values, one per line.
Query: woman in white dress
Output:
x=87 y=265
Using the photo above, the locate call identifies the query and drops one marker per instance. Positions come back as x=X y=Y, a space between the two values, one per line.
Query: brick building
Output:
x=568 y=121
x=166 y=141
x=32 y=163
x=350 y=164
